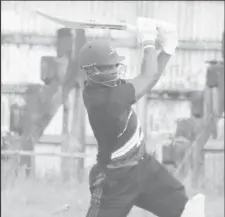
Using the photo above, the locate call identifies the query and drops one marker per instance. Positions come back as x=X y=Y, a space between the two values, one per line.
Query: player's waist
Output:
x=132 y=143
x=127 y=161
x=131 y=152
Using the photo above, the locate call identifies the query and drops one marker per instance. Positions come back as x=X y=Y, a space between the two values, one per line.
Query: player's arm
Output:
x=153 y=65
x=151 y=70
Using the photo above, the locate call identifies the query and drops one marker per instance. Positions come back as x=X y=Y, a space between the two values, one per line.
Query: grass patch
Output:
x=41 y=198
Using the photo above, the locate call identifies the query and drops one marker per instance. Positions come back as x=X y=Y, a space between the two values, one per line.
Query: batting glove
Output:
x=147 y=31
x=167 y=37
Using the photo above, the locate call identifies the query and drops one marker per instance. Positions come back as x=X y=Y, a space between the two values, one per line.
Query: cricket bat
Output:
x=101 y=24
x=88 y=24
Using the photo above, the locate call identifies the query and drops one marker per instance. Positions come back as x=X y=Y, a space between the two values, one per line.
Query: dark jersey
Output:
x=115 y=124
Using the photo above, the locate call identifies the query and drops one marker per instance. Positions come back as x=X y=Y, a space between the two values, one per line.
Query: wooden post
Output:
x=29 y=115
x=210 y=119
x=65 y=143
x=78 y=115
x=78 y=131
x=208 y=125
x=64 y=49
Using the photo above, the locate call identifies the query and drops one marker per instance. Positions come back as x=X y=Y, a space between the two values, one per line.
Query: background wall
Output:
x=199 y=23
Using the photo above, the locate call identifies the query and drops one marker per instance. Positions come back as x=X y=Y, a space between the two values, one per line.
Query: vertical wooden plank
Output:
x=209 y=126
x=78 y=132
x=78 y=116
x=214 y=168
x=64 y=48
x=74 y=142
x=65 y=142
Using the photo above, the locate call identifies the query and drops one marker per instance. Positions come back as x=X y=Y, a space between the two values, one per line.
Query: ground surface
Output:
x=36 y=198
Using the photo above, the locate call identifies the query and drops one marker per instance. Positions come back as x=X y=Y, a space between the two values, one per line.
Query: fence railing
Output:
x=49 y=154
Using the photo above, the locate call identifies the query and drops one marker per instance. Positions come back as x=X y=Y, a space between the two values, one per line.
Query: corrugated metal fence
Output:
x=196 y=20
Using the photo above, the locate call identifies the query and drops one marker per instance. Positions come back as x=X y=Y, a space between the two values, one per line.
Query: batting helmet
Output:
x=99 y=53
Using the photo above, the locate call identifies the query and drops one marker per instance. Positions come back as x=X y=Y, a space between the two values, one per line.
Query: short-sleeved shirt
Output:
x=114 y=122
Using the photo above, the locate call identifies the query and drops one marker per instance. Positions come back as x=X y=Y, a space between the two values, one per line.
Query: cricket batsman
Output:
x=125 y=175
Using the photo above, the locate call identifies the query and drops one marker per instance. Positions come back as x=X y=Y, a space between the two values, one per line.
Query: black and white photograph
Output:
x=112 y=108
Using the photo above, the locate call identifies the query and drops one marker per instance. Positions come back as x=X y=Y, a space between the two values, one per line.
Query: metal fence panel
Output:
x=196 y=20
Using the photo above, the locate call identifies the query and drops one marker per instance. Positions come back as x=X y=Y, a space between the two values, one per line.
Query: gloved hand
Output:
x=147 y=32
x=167 y=37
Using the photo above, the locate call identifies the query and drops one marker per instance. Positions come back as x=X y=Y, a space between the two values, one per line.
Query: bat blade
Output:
x=83 y=25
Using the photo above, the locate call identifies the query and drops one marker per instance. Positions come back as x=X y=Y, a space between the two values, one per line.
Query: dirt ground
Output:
x=41 y=198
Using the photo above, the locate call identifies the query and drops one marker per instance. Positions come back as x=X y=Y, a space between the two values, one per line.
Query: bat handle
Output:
x=159 y=24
